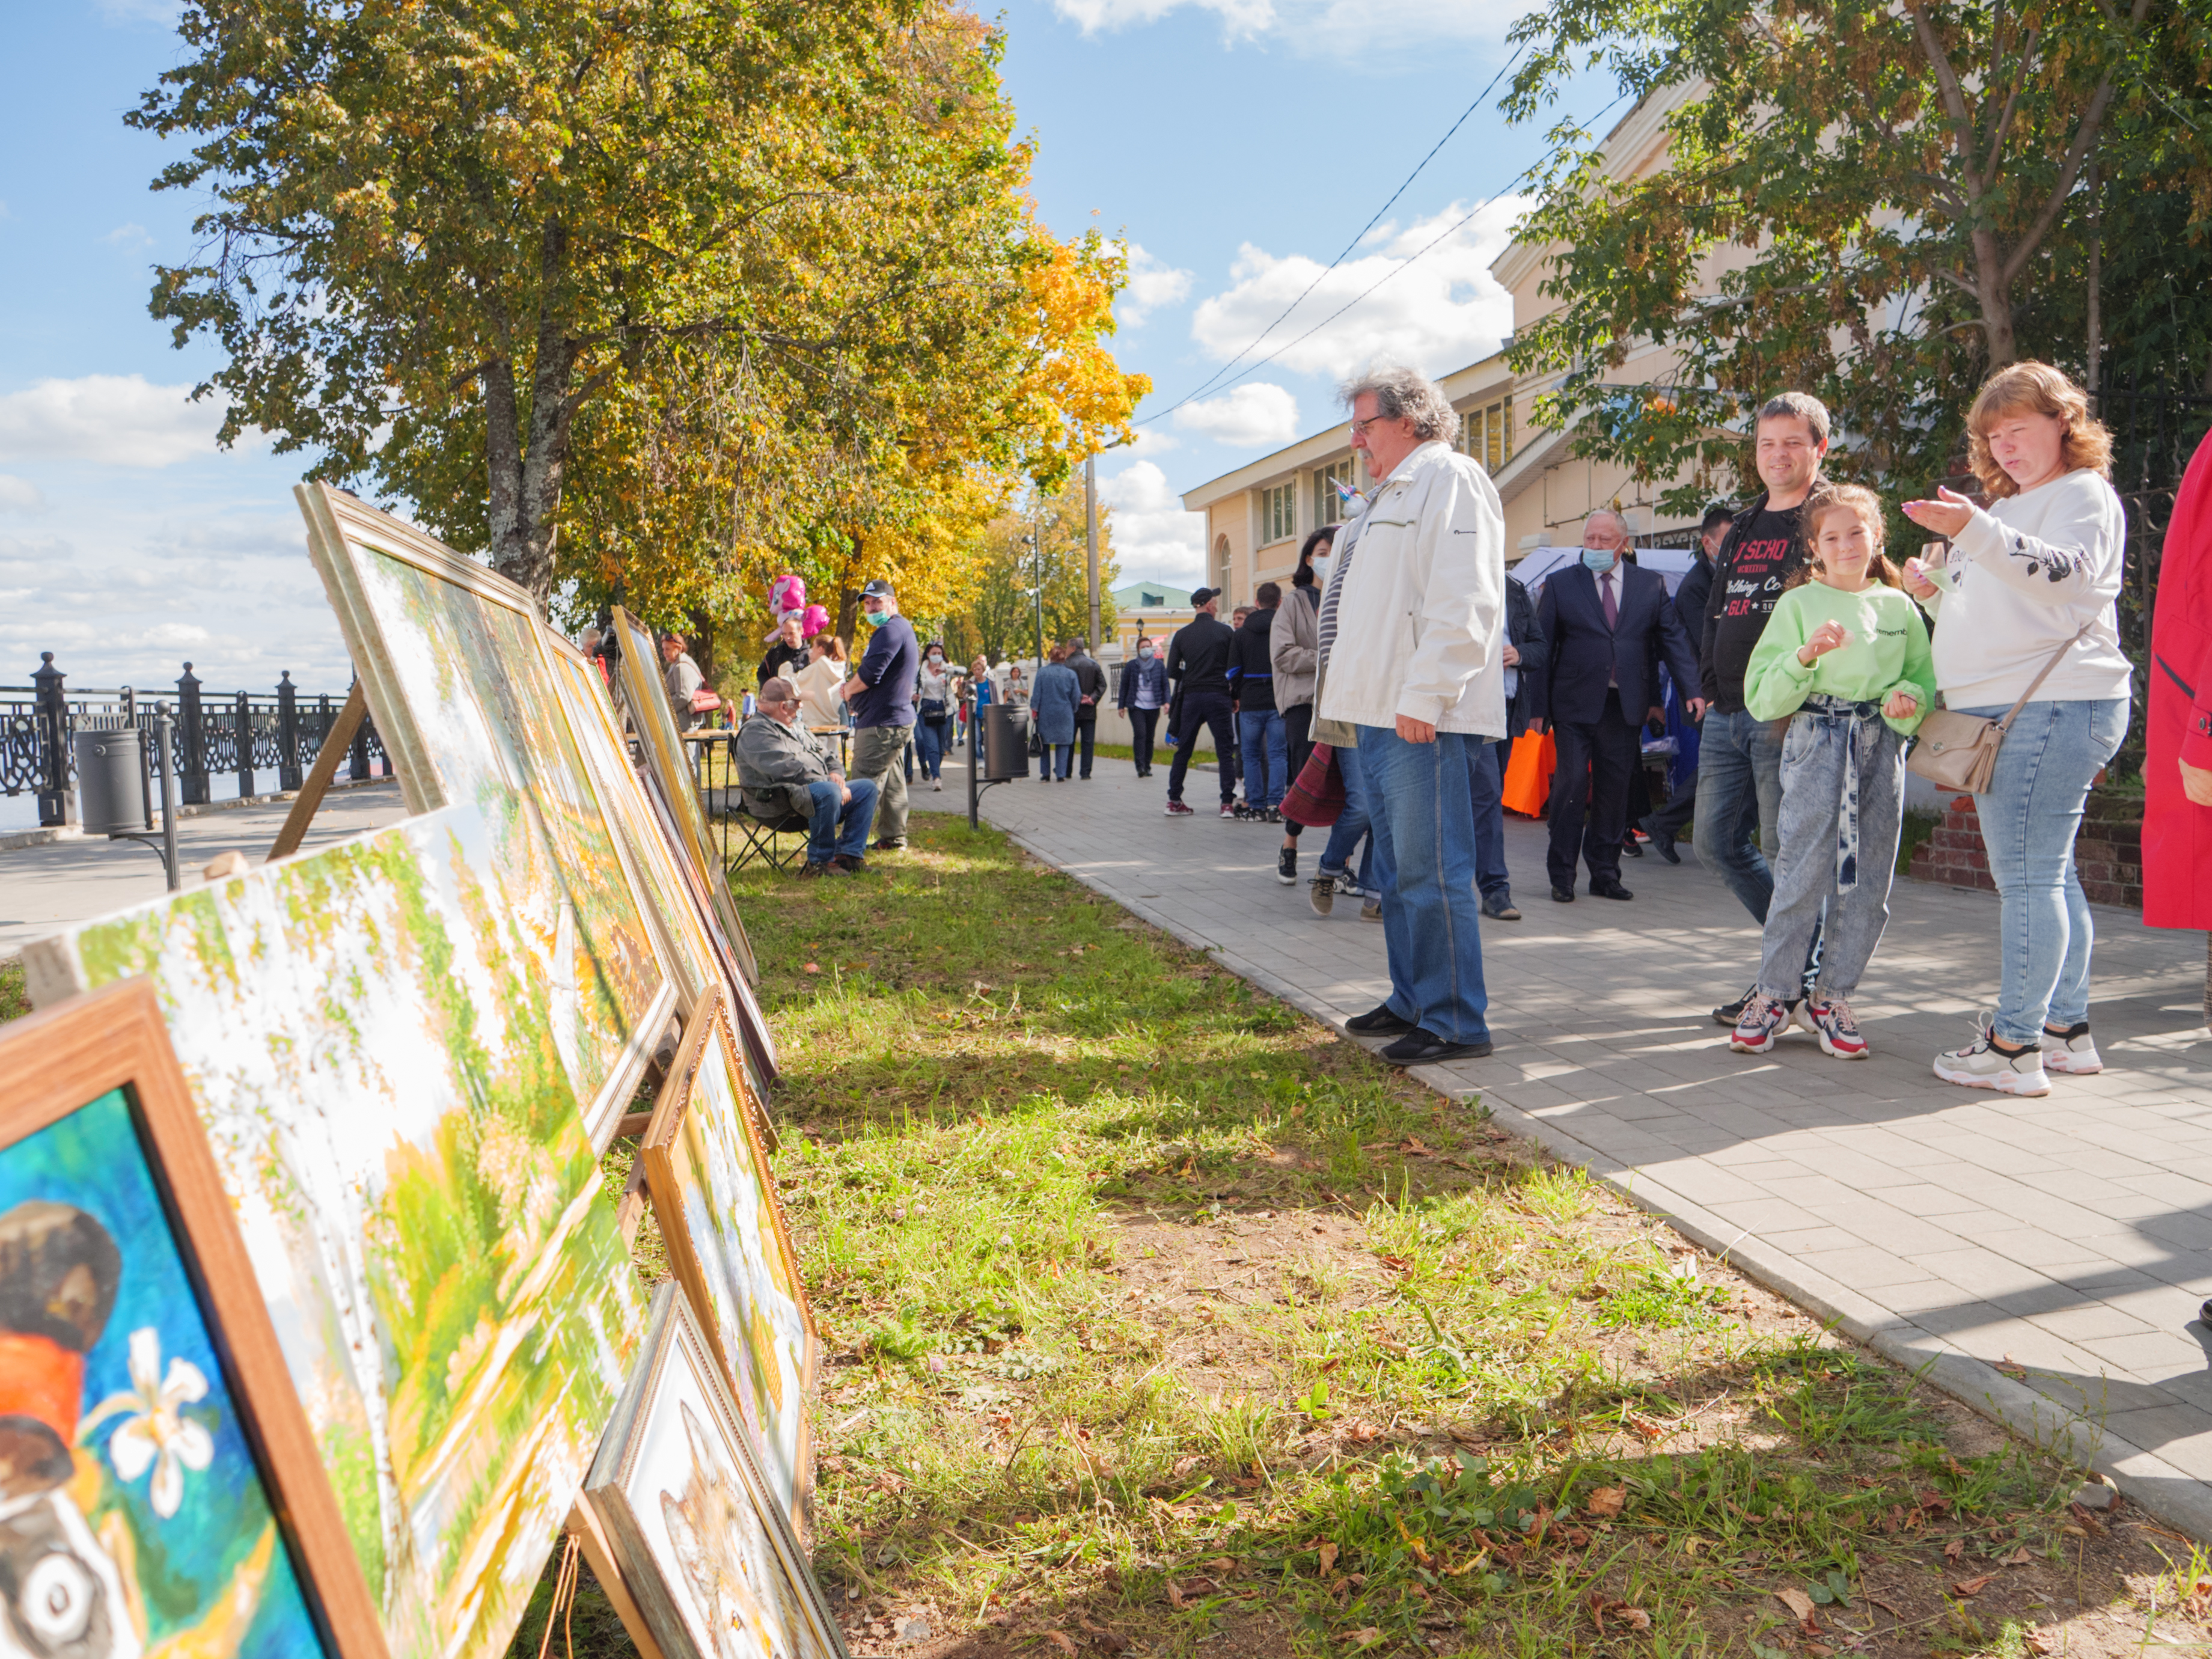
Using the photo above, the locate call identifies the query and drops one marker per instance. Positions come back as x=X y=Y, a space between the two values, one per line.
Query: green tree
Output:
x=1854 y=197
x=1001 y=620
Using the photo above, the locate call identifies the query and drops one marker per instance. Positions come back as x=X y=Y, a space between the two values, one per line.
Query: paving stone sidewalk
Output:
x=2045 y=1258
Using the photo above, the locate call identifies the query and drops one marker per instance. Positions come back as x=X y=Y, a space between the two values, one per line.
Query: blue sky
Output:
x=1238 y=144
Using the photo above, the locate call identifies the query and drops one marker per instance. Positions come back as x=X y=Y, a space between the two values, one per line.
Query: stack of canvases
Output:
x=316 y=1324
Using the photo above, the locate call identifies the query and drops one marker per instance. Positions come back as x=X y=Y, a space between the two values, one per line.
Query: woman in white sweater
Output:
x=2031 y=578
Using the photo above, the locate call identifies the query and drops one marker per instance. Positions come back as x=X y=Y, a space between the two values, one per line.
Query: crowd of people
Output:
x=1797 y=658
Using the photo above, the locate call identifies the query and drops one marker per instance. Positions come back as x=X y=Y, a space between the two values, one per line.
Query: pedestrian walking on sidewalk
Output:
x=1291 y=656
x=1090 y=681
x=2027 y=626
x=1198 y=663
x=1055 y=697
x=1142 y=695
x=1527 y=656
x=1739 y=757
x=1411 y=638
x=932 y=725
x=880 y=693
x=1608 y=625
x=1258 y=722
x=1844 y=659
x=1665 y=826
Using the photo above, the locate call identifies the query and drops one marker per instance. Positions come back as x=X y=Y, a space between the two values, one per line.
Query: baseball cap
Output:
x=877 y=589
x=1200 y=596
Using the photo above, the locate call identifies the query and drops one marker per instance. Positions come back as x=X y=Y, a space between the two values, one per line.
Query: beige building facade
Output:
x=1257 y=515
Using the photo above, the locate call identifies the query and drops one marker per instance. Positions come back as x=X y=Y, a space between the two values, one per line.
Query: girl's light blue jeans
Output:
x=2049 y=759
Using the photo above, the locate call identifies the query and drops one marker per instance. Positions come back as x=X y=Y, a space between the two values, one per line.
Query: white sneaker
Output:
x=1979 y=1065
x=2075 y=1053
x=1348 y=887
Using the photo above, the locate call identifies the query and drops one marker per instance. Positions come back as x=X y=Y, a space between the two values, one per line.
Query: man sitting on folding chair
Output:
x=778 y=758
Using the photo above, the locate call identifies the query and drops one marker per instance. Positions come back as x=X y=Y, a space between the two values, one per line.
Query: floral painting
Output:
x=133 y=1518
x=715 y=1569
x=491 y=717
x=378 y=1055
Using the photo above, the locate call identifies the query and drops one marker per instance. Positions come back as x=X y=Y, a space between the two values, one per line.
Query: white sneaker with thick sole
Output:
x=1764 y=1018
x=1979 y=1065
x=2073 y=1054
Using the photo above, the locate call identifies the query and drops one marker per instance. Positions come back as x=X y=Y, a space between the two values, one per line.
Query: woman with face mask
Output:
x=1294 y=654
x=1143 y=694
x=932 y=725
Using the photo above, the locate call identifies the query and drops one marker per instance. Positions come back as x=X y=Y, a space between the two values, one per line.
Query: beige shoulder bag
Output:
x=1959 y=751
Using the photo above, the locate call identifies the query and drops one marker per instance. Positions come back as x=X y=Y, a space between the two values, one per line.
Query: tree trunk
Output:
x=1994 y=295
x=699 y=637
x=526 y=502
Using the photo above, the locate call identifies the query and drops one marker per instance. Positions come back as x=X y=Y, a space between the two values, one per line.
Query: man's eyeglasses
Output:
x=1359 y=428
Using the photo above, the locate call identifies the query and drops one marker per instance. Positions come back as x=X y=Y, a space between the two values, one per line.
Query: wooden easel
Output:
x=310 y=798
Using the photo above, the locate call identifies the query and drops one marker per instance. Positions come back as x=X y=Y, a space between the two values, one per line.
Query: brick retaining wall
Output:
x=2108 y=852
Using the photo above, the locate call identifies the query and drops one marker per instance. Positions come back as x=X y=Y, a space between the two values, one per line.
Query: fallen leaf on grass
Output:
x=1367 y=1638
x=1606 y=1501
x=2037 y=1642
x=1413 y=1147
x=1328 y=1557
x=1800 y=1606
x=1890 y=1608
x=1974 y=1586
x=1952 y=1550
x=2013 y=1368
x=1396 y=1264
x=1066 y=1642
x=2019 y=1558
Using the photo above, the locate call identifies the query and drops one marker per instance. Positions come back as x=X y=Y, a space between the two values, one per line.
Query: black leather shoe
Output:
x=1661 y=842
x=1378 y=1021
x=1563 y=896
x=1419 y=1047
x=1611 y=890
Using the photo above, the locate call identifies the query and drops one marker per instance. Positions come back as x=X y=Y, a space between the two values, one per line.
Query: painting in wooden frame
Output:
x=722 y=1224
x=468 y=710
x=160 y=1491
x=371 y=1047
x=644 y=695
x=702 y=1548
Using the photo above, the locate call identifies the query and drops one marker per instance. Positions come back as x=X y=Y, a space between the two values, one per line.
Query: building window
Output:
x=1486 y=434
x=1279 y=513
x=1328 y=503
x=1221 y=564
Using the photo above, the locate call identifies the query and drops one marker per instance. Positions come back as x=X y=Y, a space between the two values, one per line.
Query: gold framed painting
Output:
x=721 y=1220
x=162 y=1488
x=468 y=709
x=707 y=1555
x=373 y=1053
x=644 y=697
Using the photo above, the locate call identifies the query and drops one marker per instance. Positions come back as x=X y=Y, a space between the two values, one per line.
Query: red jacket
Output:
x=2177 y=838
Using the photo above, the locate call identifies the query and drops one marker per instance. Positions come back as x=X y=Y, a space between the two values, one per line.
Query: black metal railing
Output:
x=257 y=737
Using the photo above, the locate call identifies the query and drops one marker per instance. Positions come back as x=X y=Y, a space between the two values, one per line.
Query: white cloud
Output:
x=19 y=495
x=167 y=635
x=1154 y=539
x=1315 y=28
x=1152 y=283
x=123 y=419
x=1245 y=416
x=1438 y=313
x=132 y=236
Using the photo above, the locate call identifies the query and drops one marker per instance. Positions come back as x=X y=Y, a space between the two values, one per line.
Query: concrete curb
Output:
x=2146 y=1480
x=20 y=839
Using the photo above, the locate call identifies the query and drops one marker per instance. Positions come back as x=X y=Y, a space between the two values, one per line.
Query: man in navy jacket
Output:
x=1607 y=624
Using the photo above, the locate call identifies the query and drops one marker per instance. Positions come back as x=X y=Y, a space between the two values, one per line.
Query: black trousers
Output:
x=1215 y=712
x=1596 y=760
x=1679 y=805
x=1142 y=723
x=1297 y=739
x=1086 y=734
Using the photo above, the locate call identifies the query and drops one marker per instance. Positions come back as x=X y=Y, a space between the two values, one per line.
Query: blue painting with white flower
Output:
x=133 y=1520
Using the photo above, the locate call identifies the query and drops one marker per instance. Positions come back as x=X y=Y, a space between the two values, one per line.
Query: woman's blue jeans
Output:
x=929 y=738
x=1351 y=823
x=2044 y=767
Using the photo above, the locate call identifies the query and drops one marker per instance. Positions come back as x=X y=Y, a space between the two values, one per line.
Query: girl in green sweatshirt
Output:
x=1844 y=659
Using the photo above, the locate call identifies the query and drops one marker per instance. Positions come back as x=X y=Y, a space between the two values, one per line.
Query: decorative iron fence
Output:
x=256 y=737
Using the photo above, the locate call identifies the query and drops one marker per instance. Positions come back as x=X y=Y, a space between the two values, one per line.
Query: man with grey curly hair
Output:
x=1411 y=638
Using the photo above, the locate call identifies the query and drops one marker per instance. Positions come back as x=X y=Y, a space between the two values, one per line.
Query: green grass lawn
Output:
x=1157 y=1319
x=13 y=1002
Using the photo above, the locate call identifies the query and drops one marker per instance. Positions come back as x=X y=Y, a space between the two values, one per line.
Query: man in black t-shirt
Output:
x=1740 y=758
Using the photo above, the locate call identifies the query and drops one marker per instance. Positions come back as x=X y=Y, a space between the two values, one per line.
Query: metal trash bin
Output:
x=1006 y=743
x=111 y=780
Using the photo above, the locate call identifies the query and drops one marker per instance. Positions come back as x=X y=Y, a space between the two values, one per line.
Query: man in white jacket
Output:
x=1411 y=634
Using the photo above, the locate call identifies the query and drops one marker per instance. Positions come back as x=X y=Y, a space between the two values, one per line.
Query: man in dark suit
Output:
x=1608 y=625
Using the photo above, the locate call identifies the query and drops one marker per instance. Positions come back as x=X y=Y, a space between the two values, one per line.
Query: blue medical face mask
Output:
x=1600 y=560
x=1145 y=652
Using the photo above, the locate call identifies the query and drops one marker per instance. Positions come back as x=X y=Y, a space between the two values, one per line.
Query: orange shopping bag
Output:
x=1528 y=774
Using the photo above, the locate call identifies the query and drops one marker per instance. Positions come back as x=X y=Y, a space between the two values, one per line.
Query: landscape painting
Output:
x=133 y=1516
x=449 y=656
x=377 y=1055
x=722 y=1223
x=704 y=1550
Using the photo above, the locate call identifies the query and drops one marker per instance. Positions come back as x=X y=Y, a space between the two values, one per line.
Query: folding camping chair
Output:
x=760 y=824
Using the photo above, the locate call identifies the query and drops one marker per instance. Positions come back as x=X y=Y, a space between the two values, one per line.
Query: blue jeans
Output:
x=1421 y=796
x=1739 y=790
x=2049 y=759
x=840 y=827
x=1489 y=786
x=1266 y=756
x=929 y=737
x=1351 y=824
